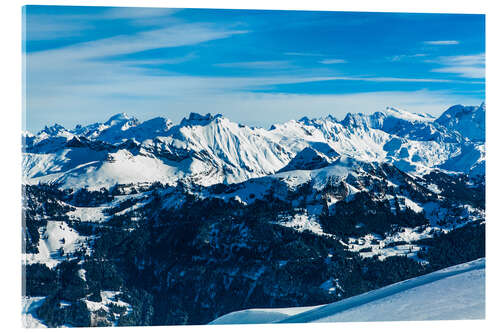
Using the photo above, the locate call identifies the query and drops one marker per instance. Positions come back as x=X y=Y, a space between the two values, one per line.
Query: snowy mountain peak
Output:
x=469 y=121
x=53 y=130
x=310 y=158
x=198 y=119
x=155 y=124
x=27 y=134
x=458 y=111
x=121 y=119
x=331 y=118
x=311 y=121
x=305 y=120
x=357 y=120
x=408 y=116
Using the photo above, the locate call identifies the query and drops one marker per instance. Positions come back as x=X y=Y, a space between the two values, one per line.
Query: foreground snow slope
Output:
x=453 y=293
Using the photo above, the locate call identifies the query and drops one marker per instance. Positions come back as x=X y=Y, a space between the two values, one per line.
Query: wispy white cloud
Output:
x=332 y=61
x=402 y=57
x=465 y=60
x=137 y=12
x=42 y=27
x=53 y=26
x=390 y=79
x=161 y=61
x=468 y=66
x=65 y=77
x=174 y=36
x=304 y=54
x=278 y=64
x=52 y=71
x=463 y=71
x=442 y=42
x=142 y=16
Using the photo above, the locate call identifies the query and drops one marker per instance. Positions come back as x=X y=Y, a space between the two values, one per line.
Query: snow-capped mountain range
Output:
x=206 y=217
x=208 y=149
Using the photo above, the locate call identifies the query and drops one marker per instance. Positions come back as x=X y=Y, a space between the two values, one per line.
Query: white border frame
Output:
x=10 y=235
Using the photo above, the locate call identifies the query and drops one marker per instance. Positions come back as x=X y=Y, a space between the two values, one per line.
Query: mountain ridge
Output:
x=210 y=149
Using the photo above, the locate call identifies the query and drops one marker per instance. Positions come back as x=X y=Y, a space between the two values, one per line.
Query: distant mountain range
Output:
x=209 y=149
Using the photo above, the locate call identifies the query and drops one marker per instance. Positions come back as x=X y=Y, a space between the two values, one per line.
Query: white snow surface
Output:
x=453 y=293
x=302 y=222
x=55 y=236
x=468 y=120
x=107 y=298
x=88 y=214
x=409 y=116
x=29 y=306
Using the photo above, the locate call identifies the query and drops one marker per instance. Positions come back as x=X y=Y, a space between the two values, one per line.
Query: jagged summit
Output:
x=357 y=120
x=52 y=130
x=198 y=119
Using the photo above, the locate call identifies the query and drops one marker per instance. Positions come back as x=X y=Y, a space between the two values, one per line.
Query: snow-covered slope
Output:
x=58 y=239
x=211 y=149
x=453 y=293
x=29 y=307
x=469 y=121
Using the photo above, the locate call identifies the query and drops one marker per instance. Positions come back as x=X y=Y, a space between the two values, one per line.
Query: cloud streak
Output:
x=174 y=36
x=332 y=61
x=442 y=42
x=137 y=12
x=278 y=64
x=43 y=27
x=303 y=54
x=402 y=57
x=467 y=66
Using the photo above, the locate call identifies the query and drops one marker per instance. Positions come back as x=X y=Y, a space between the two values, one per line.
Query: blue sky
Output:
x=84 y=64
